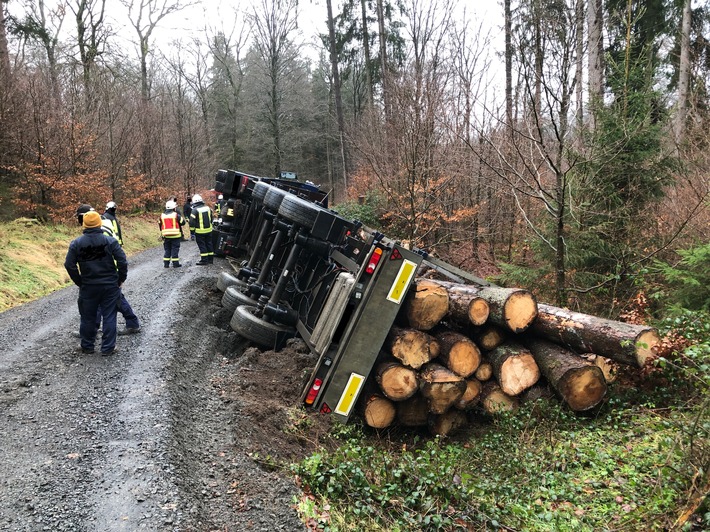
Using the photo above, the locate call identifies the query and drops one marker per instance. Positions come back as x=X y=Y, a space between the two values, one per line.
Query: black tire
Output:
x=233 y=297
x=260 y=190
x=271 y=335
x=226 y=279
x=299 y=211
x=274 y=197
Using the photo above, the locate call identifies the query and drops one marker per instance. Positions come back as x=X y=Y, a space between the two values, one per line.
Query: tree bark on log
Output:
x=446 y=423
x=411 y=347
x=511 y=308
x=425 y=304
x=514 y=367
x=378 y=411
x=397 y=381
x=470 y=396
x=622 y=342
x=465 y=307
x=495 y=401
x=458 y=353
x=579 y=382
x=440 y=386
x=414 y=412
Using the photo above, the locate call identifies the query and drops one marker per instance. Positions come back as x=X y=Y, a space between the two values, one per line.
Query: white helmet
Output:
x=111 y=205
x=196 y=198
x=170 y=205
x=220 y=197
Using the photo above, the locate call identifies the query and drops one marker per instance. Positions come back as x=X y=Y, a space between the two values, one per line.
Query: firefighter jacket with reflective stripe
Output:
x=115 y=226
x=201 y=218
x=170 y=222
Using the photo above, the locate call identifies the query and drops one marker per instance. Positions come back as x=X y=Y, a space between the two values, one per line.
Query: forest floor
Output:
x=185 y=427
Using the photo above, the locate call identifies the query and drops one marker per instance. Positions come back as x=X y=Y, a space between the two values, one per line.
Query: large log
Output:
x=458 y=353
x=470 y=396
x=514 y=367
x=580 y=383
x=440 y=386
x=465 y=307
x=512 y=308
x=414 y=412
x=425 y=304
x=622 y=342
x=397 y=381
x=495 y=401
x=411 y=347
x=378 y=411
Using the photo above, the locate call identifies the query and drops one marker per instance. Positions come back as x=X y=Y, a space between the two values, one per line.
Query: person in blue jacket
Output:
x=97 y=264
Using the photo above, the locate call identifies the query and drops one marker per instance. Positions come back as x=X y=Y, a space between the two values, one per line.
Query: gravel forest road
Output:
x=158 y=436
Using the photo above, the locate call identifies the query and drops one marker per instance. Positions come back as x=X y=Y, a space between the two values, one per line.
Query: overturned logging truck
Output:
x=400 y=337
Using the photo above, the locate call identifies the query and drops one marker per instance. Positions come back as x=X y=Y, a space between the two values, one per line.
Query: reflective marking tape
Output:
x=401 y=282
x=347 y=400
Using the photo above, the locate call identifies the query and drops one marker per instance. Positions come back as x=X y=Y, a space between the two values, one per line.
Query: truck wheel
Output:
x=233 y=298
x=260 y=190
x=299 y=211
x=262 y=332
x=226 y=279
x=274 y=197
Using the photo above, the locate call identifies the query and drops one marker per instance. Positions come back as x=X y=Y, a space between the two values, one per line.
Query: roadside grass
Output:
x=638 y=462
x=32 y=254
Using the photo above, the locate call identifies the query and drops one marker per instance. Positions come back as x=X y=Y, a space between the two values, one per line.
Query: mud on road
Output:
x=179 y=430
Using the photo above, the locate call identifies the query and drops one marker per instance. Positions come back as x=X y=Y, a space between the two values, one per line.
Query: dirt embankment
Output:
x=177 y=431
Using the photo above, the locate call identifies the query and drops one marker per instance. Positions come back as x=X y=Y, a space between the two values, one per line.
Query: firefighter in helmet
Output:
x=170 y=224
x=201 y=225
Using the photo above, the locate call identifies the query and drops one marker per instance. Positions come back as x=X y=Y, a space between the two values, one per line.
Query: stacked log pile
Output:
x=467 y=348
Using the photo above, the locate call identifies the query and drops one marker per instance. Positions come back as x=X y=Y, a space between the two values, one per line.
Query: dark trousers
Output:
x=91 y=299
x=204 y=243
x=171 y=247
x=126 y=311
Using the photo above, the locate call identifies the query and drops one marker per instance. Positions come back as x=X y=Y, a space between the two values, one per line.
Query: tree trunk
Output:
x=426 y=303
x=580 y=383
x=514 y=368
x=366 y=51
x=458 y=353
x=341 y=190
x=511 y=308
x=465 y=307
x=396 y=381
x=446 y=423
x=595 y=50
x=378 y=411
x=622 y=342
x=470 y=396
x=441 y=387
x=495 y=401
x=411 y=347
x=681 y=110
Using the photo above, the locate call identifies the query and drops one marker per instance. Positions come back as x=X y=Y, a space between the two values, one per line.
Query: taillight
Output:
x=311 y=397
x=245 y=181
x=374 y=259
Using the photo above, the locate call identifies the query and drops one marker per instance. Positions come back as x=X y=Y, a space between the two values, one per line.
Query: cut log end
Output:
x=518 y=373
x=484 y=372
x=520 y=311
x=478 y=311
x=647 y=346
x=583 y=388
x=379 y=412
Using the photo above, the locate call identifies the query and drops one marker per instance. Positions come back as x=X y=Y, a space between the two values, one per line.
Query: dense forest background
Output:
x=573 y=160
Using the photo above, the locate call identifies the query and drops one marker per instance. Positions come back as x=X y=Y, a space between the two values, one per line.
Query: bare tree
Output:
x=341 y=187
x=145 y=15
x=681 y=110
x=91 y=36
x=595 y=51
x=274 y=23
